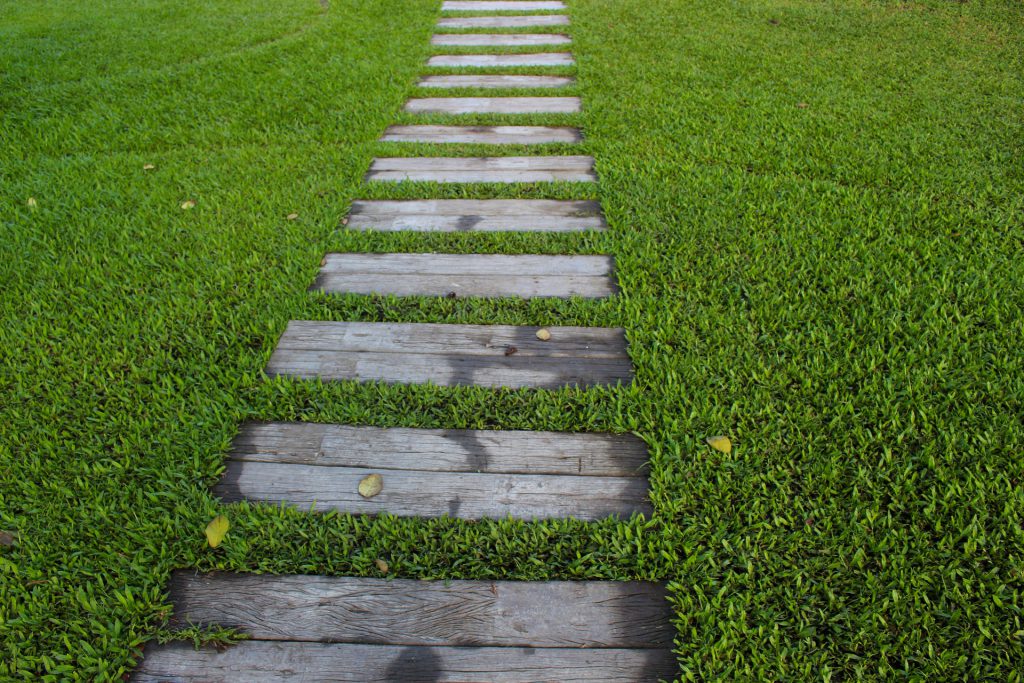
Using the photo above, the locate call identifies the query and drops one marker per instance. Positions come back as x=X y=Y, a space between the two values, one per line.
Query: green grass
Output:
x=835 y=286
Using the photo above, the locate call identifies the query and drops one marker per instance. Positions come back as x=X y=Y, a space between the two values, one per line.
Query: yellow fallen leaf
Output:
x=148 y=167
x=190 y=204
x=216 y=530
x=543 y=334
x=32 y=203
x=720 y=443
x=371 y=485
x=382 y=566
x=292 y=216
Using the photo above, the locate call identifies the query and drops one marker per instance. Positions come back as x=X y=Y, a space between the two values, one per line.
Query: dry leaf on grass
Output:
x=148 y=167
x=216 y=530
x=382 y=566
x=292 y=216
x=188 y=204
x=722 y=444
x=6 y=538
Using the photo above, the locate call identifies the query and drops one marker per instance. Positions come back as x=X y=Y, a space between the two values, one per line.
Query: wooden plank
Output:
x=522 y=21
x=495 y=81
x=452 y=355
x=540 y=169
x=481 y=275
x=570 y=614
x=441 y=450
x=500 y=5
x=422 y=493
x=469 y=215
x=263 y=661
x=493 y=105
x=533 y=59
x=500 y=39
x=486 y=135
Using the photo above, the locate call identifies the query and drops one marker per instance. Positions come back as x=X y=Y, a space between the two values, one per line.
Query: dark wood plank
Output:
x=442 y=450
x=471 y=215
x=262 y=661
x=537 y=169
x=495 y=81
x=576 y=614
x=483 y=135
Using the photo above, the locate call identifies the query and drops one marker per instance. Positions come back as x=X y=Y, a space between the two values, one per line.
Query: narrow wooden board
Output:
x=532 y=59
x=493 y=105
x=550 y=614
x=500 y=39
x=540 y=169
x=441 y=450
x=500 y=5
x=480 y=275
x=421 y=493
x=471 y=215
x=452 y=355
x=263 y=661
x=495 y=81
x=521 y=21
x=485 y=135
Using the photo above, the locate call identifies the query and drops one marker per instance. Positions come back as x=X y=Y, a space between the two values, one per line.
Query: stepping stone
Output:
x=484 y=169
x=500 y=5
x=452 y=355
x=497 y=39
x=536 y=59
x=357 y=629
x=521 y=21
x=473 y=215
x=493 y=105
x=487 y=135
x=495 y=81
x=481 y=275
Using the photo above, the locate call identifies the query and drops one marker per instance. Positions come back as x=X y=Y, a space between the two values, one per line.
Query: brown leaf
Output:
x=801 y=105
x=371 y=485
x=509 y=350
x=381 y=565
x=323 y=262
x=452 y=295
x=543 y=334
x=344 y=221
x=7 y=538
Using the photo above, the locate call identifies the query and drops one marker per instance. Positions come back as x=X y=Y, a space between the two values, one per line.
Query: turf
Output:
x=816 y=214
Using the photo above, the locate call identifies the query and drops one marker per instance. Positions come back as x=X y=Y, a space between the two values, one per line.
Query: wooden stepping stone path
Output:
x=319 y=628
x=477 y=215
x=328 y=629
x=480 y=275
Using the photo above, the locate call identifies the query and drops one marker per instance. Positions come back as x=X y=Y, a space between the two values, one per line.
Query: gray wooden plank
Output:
x=265 y=661
x=521 y=21
x=570 y=614
x=495 y=81
x=486 y=135
x=538 y=169
x=493 y=105
x=533 y=59
x=500 y=39
x=500 y=5
x=480 y=275
x=469 y=215
x=423 y=493
x=443 y=450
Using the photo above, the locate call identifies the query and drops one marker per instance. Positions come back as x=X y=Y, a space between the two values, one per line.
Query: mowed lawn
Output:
x=816 y=211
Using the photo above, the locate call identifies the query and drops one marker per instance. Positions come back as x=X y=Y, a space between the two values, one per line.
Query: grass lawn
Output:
x=816 y=210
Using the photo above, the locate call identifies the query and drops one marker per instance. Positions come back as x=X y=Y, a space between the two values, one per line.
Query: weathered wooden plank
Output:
x=470 y=215
x=500 y=39
x=493 y=105
x=534 y=59
x=481 y=275
x=485 y=135
x=263 y=661
x=500 y=5
x=573 y=614
x=521 y=21
x=495 y=81
x=422 y=493
x=539 y=169
x=441 y=450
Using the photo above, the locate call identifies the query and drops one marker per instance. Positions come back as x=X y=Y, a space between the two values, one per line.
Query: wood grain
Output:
x=480 y=275
x=469 y=215
x=575 y=614
x=262 y=661
x=493 y=105
x=486 y=135
x=537 y=169
x=441 y=450
x=521 y=21
x=495 y=81
x=500 y=39
x=500 y=5
x=488 y=60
